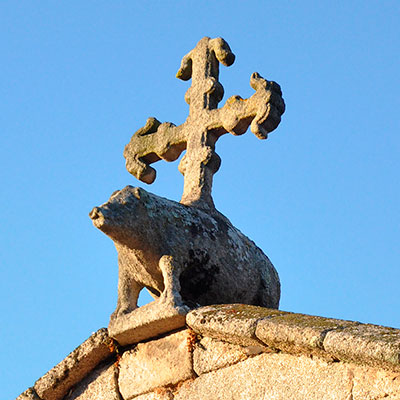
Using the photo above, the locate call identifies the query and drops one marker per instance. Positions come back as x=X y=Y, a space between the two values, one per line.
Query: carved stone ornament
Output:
x=188 y=254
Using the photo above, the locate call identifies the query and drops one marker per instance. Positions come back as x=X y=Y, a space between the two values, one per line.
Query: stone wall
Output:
x=234 y=352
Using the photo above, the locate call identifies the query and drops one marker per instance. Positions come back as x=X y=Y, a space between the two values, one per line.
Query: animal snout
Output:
x=95 y=213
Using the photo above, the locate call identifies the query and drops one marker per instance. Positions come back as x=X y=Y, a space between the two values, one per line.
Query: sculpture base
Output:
x=146 y=322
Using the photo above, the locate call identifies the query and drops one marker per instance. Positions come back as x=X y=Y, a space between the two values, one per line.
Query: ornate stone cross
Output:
x=205 y=123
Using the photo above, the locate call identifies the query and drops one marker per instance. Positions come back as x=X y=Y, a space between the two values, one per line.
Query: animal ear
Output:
x=140 y=194
x=114 y=193
x=137 y=192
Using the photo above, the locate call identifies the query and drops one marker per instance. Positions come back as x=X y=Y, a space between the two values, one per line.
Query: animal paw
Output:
x=173 y=302
x=120 y=312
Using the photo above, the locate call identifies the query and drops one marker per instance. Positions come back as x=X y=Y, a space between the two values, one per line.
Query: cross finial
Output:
x=205 y=123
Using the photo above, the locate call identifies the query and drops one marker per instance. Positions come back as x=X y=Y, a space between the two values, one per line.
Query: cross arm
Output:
x=153 y=142
x=262 y=111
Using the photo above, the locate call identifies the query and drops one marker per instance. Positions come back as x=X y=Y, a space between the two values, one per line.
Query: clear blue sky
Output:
x=321 y=196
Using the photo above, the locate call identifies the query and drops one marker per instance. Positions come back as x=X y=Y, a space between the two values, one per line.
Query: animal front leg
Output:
x=171 y=270
x=128 y=293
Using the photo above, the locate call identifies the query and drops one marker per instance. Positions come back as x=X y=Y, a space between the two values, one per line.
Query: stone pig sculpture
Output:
x=184 y=256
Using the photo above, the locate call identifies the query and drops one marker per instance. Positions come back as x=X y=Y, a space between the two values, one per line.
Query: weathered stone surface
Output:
x=235 y=323
x=185 y=256
x=272 y=376
x=100 y=384
x=158 y=394
x=29 y=394
x=59 y=380
x=210 y=354
x=283 y=376
x=295 y=333
x=367 y=344
x=150 y=365
x=372 y=384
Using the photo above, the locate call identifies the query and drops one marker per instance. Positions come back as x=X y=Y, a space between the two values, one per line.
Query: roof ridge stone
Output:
x=256 y=328
x=329 y=338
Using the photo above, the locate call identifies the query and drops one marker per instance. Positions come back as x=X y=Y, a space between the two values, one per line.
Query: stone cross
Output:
x=205 y=123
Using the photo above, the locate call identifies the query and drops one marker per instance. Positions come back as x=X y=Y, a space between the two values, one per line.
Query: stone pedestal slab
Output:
x=148 y=321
